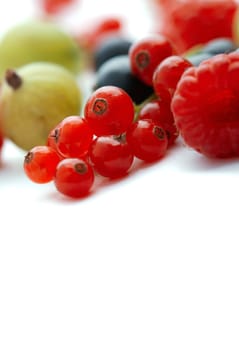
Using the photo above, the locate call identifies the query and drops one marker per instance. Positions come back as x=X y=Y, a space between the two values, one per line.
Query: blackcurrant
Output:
x=117 y=72
x=219 y=45
x=110 y=47
x=199 y=57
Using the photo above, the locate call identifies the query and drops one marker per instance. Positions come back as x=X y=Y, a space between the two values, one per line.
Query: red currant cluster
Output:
x=113 y=130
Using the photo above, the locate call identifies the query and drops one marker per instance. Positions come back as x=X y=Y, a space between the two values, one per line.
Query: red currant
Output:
x=169 y=71
x=159 y=112
x=40 y=164
x=1 y=140
x=109 y=111
x=194 y=22
x=74 y=177
x=147 y=140
x=163 y=93
x=111 y=156
x=54 y=6
x=72 y=137
x=95 y=33
x=146 y=54
x=51 y=139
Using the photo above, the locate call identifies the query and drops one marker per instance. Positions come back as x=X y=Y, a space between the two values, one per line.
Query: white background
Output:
x=147 y=263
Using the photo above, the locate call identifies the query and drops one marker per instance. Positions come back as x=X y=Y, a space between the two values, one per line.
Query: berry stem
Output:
x=137 y=108
x=13 y=79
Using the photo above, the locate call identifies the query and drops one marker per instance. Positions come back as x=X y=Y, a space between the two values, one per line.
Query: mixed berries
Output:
x=199 y=102
x=181 y=81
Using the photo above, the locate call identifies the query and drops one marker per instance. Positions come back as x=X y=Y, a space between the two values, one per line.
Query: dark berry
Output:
x=198 y=58
x=110 y=47
x=219 y=45
x=117 y=72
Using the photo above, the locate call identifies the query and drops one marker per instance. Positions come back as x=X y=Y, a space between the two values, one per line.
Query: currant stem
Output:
x=138 y=107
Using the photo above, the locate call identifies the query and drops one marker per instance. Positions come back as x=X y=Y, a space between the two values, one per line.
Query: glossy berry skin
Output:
x=73 y=137
x=109 y=111
x=111 y=157
x=51 y=139
x=147 y=140
x=40 y=164
x=169 y=71
x=74 y=177
x=110 y=47
x=206 y=106
x=146 y=54
x=116 y=71
x=159 y=111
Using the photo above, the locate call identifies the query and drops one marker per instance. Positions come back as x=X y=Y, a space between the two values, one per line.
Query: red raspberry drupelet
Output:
x=191 y=22
x=206 y=106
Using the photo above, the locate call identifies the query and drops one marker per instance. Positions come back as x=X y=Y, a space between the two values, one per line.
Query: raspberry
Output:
x=188 y=22
x=206 y=106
